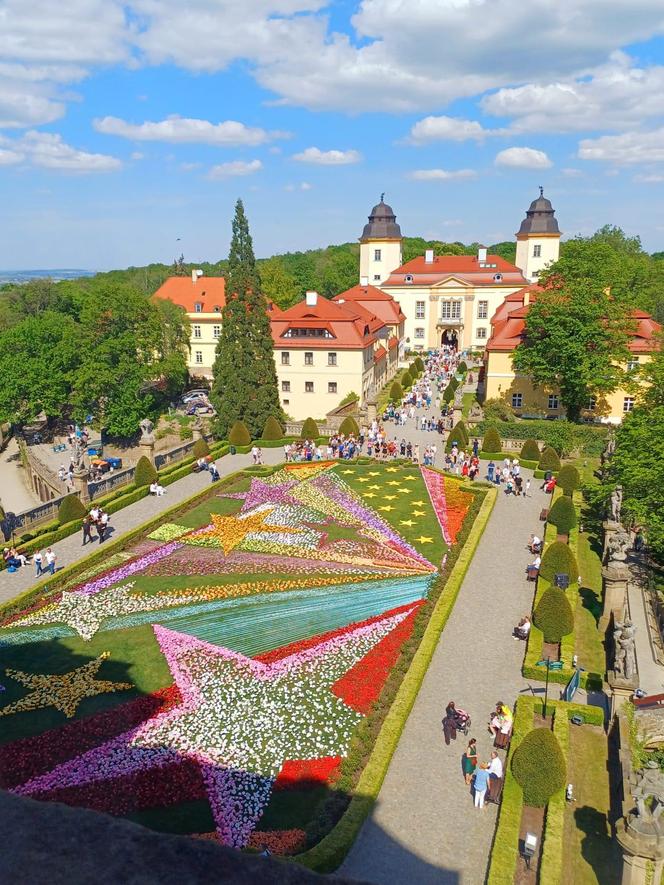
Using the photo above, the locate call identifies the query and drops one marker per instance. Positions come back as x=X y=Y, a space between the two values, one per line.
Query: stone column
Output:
x=81 y=475
x=616 y=576
x=146 y=447
x=621 y=690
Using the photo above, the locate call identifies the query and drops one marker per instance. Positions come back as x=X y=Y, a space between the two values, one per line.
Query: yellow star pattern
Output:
x=419 y=513
x=390 y=497
x=409 y=478
x=374 y=473
x=424 y=540
x=386 y=508
x=408 y=522
x=406 y=491
x=391 y=469
x=370 y=495
x=394 y=482
x=377 y=488
x=229 y=531
x=419 y=503
x=64 y=692
x=348 y=471
x=363 y=479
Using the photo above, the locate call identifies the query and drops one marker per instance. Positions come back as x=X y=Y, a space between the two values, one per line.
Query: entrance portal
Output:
x=449 y=338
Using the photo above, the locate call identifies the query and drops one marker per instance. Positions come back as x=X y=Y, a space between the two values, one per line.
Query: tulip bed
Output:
x=216 y=678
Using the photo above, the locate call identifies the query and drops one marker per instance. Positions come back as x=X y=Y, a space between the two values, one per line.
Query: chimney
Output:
x=194 y=277
x=364 y=282
x=428 y=256
x=481 y=254
x=526 y=297
x=311 y=299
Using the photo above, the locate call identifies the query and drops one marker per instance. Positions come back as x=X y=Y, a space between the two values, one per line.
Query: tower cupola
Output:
x=538 y=238
x=380 y=244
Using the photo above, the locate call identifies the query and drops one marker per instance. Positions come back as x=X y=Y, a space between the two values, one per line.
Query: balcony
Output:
x=450 y=322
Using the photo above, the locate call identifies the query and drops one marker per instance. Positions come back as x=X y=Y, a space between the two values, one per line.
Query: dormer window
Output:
x=198 y=307
x=408 y=278
x=497 y=278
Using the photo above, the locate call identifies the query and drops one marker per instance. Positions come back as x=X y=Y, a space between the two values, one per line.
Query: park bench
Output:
x=59 y=447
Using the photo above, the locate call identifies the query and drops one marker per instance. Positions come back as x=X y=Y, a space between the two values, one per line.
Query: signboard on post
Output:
x=572 y=687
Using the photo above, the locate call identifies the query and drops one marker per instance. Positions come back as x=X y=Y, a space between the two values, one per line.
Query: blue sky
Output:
x=125 y=126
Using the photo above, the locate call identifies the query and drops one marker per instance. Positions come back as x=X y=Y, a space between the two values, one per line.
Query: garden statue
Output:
x=146 y=430
x=476 y=411
x=78 y=452
x=618 y=546
x=625 y=649
x=616 y=503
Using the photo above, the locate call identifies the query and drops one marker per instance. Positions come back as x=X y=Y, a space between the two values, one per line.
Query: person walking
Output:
x=469 y=760
x=495 y=777
x=481 y=784
x=38 y=560
x=526 y=490
x=450 y=723
x=50 y=561
x=88 y=522
x=102 y=525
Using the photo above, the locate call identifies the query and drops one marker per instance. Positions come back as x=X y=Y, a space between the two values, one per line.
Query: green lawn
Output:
x=589 y=642
x=468 y=399
x=592 y=857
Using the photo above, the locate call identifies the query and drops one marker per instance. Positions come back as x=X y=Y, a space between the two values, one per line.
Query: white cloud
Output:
x=523 y=158
x=649 y=178
x=441 y=174
x=327 y=158
x=189 y=167
x=235 y=168
x=571 y=173
x=136 y=155
x=184 y=130
x=49 y=151
x=9 y=158
x=302 y=186
x=447 y=129
x=625 y=149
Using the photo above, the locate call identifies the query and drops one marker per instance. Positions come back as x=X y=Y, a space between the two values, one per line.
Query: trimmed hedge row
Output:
x=329 y=853
x=564 y=436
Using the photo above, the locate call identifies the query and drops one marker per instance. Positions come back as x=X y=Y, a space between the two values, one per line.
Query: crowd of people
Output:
x=97 y=519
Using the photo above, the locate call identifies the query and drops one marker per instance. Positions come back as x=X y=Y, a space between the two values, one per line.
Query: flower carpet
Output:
x=212 y=678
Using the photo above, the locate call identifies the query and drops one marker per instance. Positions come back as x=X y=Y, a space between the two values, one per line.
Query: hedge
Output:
x=145 y=472
x=273 y=429
x=564 y=436
x=539 y=767
x=406 y=380
x=396 y=392
x=71 y=508
x=549 y=459
x=563 y=515
x=309 y=429
x=239 y=434
x=491 y=441
x=551 y=861
x=328 y=854
x=530 y=450
x=201 y=449
x=419 y=362
x=349 y=427
x=568 y=479
x=553 y=615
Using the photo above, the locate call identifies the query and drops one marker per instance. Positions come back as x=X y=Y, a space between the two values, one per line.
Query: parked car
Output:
x=194 y=394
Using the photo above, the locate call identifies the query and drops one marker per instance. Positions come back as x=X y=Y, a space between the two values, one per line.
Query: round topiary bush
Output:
x=454 y=384
x=406 y=380
x=448 y=394
x=201 y=449
x=71 y=508
x=530 y=451
x=349 y=427
x=563 y=515
x=458 y=434
x=539 y=767
x=145 y=472
x=419 y=362
x=559 y=559
x=553 y=615
x=396 y=392
x=491 y=442
x=413 y=371
x=549 y=459
x=273 y=429
x=239 y=435
x=309 y=430
x=568 y=479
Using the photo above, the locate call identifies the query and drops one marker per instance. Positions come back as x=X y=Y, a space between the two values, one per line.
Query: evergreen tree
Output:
x=245 y=377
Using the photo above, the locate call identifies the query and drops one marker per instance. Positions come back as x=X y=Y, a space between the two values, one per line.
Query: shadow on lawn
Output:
x=599 y=850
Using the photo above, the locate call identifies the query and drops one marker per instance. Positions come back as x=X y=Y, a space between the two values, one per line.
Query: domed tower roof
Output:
x=382 y=223
x=539 y=218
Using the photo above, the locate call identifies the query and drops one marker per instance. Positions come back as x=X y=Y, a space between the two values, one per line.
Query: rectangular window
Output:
x=308 y=386
x=419 y=333
x=331 y=386
x=197 y=331
x=198 y=307
x=450 y=310
x=377 y=254
x=285 y=386
x=632 y=364
x=285 y=358
x=198 y=356
x=216 y=331
x=482 y=310
x=331 y=359
x=537 y=251
x=481 y=332
x=628 y=404
x=286 y=402
x=308 y=359
x=419 y=310
x=517 y=400
x=553 y=401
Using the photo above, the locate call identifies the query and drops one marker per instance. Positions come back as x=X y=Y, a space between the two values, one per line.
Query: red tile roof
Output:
x=210 y=292
x=375 y=300
x=350 y=326
x=393 y=342
x=379 y=354
x=464 y=267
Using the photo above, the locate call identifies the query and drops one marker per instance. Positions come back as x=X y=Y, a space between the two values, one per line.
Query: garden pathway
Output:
x=70 y=549
x=424 y=828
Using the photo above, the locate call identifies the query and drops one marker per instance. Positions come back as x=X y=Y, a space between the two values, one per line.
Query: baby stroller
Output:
x=463 y=722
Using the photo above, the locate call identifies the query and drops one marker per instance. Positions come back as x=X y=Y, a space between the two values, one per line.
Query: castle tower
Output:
x=380 y=245
x=538 y=238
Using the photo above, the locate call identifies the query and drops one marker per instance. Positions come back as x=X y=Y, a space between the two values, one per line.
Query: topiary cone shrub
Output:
x=563 y=515
x=273 y=429
x=559 y=559
x=406 y=380
x=458 y=434
x=239 y=435
x=349 y=427
x=530 y=451
x=568 y=479
x=448 y=394
x=309 y=430
x=201 y=449
x=419 y=363
x=538 y=766
x=145 y=472
x=71 y=508
x=396 y=392
x=491 y=442
x=549 y=459
x=553 y=615
x=462 y=368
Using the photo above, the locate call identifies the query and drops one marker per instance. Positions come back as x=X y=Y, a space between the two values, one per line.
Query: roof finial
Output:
x=541 y=191
x=382 y=197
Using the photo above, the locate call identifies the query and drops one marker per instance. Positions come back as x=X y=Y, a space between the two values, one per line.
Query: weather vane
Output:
x=541 y=191
x=382 y=197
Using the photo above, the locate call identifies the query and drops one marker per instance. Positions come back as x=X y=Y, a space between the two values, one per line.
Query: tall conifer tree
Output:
x=245 y=377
